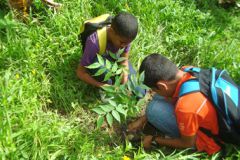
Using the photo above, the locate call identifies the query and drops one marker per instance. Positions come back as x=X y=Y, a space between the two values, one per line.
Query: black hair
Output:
x=156 y=68
x=125 y=25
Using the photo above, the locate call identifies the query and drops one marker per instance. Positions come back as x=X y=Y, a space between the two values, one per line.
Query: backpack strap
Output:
x=97 y=24
x=102 y=39
x=239 y=96
x=192 y=69
x=189 y=86
x=213 y=89
x=95 y=20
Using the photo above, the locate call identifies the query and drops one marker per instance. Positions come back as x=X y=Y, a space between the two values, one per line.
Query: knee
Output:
x=151 y=110
x=159 y=109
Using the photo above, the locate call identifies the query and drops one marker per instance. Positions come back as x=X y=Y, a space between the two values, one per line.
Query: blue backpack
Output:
x=224 y=95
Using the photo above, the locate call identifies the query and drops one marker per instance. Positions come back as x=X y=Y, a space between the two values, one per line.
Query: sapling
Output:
x=121 y=100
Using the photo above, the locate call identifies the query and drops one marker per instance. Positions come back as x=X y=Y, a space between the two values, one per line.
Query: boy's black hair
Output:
x=156 y=68
x=125 y=25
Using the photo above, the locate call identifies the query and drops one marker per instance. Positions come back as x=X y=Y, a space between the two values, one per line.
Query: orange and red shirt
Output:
x=194 y=110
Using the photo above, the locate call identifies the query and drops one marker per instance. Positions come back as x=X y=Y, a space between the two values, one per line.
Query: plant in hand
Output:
x=122 y=100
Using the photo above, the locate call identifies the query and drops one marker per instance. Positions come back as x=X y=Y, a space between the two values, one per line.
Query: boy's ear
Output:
x=161 y=85
x=111 y=30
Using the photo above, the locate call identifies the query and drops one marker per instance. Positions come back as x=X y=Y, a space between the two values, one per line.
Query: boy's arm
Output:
x=86 y=77
x=125 y=63
x=187 y=123
x=90 y=52
x=188 y=126
x=182 y=142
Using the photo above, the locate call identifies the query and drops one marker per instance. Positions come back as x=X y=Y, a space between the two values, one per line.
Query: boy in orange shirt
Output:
x=181 y=118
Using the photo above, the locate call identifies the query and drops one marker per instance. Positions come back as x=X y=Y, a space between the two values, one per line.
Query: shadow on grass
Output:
x=221 y=17
x=216 y=20
x=67 y=91
x=4 y=9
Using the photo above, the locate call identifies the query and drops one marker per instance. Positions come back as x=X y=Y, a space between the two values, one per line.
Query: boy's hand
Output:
x=147 y=141
x=124 y=78
x=137 y=125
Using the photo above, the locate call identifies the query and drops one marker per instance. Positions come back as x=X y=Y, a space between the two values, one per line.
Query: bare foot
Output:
x=137 y=125
x=147 y=141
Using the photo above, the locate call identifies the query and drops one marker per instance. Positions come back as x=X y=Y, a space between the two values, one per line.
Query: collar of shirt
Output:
x=184 y=78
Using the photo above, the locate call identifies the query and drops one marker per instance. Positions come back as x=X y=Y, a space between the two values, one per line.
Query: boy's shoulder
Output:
x=93 y=38
x=191 y=100
x=92 y=44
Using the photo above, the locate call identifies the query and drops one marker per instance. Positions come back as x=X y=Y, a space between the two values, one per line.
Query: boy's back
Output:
x=193 y=111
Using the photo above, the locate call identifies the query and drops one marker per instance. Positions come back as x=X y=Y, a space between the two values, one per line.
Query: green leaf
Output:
x=116 y=115
x=94 y=66
x=123 y=89
x=100 y=72
x=134 y=81
x=108 y=64
x=117 y=81
x=121 y=59
x=114 y=56
x=113 y=103
x=121 y=110
x=107 y=76
x=98 y=110
x=130 y=86
x=119 y=71
x=141 y=78
x=100 y=60
x=143 y=86
x=118 y=54
x=108 y=88
x=100 y=121
x=55 y=155
x=141 y=102
x=109 y=119
x=107 y=108
x=114 y=67
x=138 y=93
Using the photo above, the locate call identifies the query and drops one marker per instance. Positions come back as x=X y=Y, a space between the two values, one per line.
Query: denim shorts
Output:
x=161 y=115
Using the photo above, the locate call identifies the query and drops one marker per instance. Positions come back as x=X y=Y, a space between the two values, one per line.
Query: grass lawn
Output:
x=45 y=109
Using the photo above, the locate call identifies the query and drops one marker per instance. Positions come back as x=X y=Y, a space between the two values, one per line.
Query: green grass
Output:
x=44 y=108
